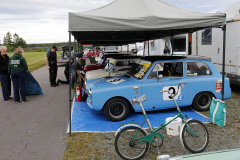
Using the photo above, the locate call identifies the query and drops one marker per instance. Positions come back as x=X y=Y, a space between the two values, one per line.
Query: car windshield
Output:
x=101 y=61
x=110 y=64
x=139 y=69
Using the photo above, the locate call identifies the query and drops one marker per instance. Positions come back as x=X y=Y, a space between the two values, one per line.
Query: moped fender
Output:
x=128 y=125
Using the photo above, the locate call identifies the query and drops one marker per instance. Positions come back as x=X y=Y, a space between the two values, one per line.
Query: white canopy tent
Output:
x=127 y=21
x=124 y=21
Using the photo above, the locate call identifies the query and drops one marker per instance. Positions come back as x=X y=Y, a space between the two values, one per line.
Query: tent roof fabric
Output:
x=126 y=21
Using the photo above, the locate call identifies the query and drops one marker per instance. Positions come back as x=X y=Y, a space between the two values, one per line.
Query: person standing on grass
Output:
x=17 y=68
x=51 y=62
x=4 y=76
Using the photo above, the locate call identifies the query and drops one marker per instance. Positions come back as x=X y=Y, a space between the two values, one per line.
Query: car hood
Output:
x=112 y=82
x=101 y=73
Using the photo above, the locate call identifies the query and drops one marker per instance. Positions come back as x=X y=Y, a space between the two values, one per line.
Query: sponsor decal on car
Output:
x=172 y=90
x=115 y=80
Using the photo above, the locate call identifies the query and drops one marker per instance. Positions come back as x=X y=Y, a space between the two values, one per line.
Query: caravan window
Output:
x=198 y=69
x=179 y=45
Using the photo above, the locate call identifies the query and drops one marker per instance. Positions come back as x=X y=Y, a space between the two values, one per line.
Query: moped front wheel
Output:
x=194 y=136
x=127 y=144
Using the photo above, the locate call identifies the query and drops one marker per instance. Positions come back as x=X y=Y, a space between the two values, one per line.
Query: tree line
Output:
x=12 y=42
x=48 y=44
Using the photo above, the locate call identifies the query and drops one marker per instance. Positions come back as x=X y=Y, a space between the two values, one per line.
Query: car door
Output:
x=164 y=76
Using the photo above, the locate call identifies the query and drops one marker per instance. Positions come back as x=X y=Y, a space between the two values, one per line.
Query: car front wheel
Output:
x=116 y=109
x=202 y=101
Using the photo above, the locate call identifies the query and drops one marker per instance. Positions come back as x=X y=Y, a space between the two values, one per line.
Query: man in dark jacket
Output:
x=51 y=62
x=4 y=76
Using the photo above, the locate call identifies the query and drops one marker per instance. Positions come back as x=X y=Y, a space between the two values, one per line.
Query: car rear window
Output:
x=198 y=69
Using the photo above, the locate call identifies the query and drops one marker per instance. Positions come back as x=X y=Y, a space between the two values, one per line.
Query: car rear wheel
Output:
x=116 y=109
x=202 y=101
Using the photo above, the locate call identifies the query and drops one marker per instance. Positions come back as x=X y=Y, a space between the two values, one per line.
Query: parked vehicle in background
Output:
x=94 y=53
x=103 y=61
x=64 y=56
x=209 y=42
x=116 y=65
x=164 y=46
x=200 y=78
x=107 y=49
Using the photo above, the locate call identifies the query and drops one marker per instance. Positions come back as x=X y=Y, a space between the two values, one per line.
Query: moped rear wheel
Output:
x=127 y=146
x=195 y=137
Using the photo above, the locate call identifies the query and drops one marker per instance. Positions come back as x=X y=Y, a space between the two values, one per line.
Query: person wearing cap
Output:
x=17 y=67
x=51 y=62
x=4 y=76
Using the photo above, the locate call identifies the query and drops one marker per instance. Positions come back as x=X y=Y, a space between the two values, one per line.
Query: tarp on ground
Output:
x=31 y=85
x=85 y=119
x=125 y=21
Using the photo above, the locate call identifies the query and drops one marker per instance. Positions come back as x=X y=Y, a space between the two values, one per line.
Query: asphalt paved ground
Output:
x=35 y=130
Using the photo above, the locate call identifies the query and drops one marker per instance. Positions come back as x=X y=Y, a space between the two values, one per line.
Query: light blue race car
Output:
x=199 y=77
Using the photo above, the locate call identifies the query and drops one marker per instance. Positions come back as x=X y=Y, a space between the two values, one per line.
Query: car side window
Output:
x=198 y=69
x=172 y=69
x=157 y=69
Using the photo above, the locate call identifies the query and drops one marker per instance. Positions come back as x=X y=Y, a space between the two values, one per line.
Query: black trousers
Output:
x=67 y=78
x=6 y=86
x=53 y=74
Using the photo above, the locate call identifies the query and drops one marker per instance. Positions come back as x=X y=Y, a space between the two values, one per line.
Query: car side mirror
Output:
x=160 y=76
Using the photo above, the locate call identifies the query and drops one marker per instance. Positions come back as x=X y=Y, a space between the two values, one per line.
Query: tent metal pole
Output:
x=81 y=50
x=223 y=66
x=75 y=46
x=148 y=47
x=197 y=43
x=78 y=51
x=144 y=47
x=70 y=95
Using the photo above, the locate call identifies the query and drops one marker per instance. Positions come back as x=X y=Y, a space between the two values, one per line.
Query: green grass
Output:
x=82 y=146
x=35 y=60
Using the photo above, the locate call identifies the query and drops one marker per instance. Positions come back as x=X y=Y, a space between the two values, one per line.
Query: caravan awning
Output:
x=126 y=21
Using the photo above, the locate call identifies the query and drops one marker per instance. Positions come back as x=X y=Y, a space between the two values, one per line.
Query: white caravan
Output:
x=163 y=46
x=209 y=42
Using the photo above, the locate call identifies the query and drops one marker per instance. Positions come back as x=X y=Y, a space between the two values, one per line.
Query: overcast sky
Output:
x=38 y=21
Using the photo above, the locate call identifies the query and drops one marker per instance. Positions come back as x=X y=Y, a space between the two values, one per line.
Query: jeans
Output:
x=6 y=86
x=18 y=79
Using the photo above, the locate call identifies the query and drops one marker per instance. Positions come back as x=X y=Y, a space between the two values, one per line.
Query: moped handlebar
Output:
x=138 y=100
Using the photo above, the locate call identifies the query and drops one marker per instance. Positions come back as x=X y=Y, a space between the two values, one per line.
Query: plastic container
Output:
x=173 y=129
x=163 y=157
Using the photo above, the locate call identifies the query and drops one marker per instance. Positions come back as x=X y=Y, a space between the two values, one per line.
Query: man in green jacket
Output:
x=16 y=68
